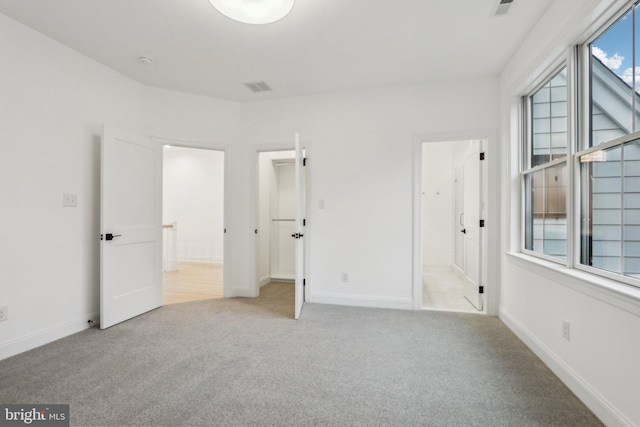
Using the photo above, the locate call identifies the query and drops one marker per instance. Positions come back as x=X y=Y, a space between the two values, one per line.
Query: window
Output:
x=547 y=223
x=549 y=120
x=610 y=175
x=546 y=175
x=598 y=160
x=611 y=208
x=612 y=94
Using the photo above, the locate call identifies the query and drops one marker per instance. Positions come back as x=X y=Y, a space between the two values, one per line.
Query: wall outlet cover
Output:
x=70 y=200
x=566 y=330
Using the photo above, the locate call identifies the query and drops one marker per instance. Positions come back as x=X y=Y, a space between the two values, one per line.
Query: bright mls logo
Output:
x=34 y=415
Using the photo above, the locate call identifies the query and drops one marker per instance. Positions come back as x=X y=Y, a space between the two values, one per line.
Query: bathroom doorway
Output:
x=451 y=227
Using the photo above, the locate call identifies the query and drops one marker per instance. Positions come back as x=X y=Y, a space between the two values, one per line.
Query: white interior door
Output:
x=471 y=231
x=299 y=233
x=131 y=226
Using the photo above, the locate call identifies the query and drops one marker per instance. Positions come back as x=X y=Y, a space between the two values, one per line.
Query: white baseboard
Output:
x=233 y=292
x=204 y=260
x=264 y=280
x=360 y=301
x=598 y=404
x=285 y=277
x=46 y=336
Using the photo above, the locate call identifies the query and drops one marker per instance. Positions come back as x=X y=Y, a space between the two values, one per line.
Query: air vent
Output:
x=258 y=87
x=502 y=8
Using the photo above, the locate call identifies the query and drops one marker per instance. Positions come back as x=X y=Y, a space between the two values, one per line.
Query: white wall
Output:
x=361 y=164
x=54 y=102
x=53 y=105
x=193 y=195
x=361 y=147
x=600 y=362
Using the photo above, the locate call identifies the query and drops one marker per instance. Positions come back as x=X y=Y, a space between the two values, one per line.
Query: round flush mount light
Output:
x=254 y=11
x=145 y=60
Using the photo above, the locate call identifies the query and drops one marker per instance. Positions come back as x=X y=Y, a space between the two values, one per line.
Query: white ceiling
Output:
x=322 y=46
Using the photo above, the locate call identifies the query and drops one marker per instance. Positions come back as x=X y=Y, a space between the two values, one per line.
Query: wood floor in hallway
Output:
x=193 y=281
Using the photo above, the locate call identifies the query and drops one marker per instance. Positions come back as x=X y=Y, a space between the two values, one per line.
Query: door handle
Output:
x=463 y=231
x=110 y=236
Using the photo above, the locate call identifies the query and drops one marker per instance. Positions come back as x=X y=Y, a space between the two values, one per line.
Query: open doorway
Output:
x=193 y=227
x=276 y=225
x=451 y=228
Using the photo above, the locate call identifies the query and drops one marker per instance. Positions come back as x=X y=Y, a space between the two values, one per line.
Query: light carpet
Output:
x=245 y=362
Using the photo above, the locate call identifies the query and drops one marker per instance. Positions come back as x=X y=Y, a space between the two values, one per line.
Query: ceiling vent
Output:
x=258 y=87
x=502 y=8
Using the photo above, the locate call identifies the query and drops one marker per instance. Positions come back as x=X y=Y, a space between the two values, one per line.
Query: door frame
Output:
x=255 y=151
x=471 y=224
x=489 y=211
x=458 y=218
x=226 y=149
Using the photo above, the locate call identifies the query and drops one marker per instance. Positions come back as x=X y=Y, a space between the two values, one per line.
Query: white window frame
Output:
x=615 y=289
x=583 y=84
x=526 y=155
x=581 y=145
x=618 y=142
x=577 y=62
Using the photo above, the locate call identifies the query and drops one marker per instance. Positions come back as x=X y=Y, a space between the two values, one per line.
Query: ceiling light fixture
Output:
x=254 y=11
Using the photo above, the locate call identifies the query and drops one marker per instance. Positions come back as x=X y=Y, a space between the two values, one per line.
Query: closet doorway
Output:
x=193 y=224
x=452 y=182
x=276 y=225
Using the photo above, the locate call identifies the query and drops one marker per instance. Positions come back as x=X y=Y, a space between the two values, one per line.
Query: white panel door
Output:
x=472 y=231
x=299 y=233
x=131 y=226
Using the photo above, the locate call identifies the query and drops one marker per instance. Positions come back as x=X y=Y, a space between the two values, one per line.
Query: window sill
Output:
x=620 y=295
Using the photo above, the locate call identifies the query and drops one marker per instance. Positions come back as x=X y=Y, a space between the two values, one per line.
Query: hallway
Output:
x=443 y=290
x=193 y=281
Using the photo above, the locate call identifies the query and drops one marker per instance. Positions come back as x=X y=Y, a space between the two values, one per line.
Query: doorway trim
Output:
x=228 y=289
x=490 y=212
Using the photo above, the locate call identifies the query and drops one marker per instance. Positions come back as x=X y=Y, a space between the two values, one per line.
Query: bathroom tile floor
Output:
x=443 y=290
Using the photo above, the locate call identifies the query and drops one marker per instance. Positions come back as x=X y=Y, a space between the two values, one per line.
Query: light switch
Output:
x=69 y=200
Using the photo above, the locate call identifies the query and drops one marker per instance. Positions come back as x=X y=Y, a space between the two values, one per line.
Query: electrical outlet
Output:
x=345 y=277
x=69 y=200
x=566 y=330
x=4 y=313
